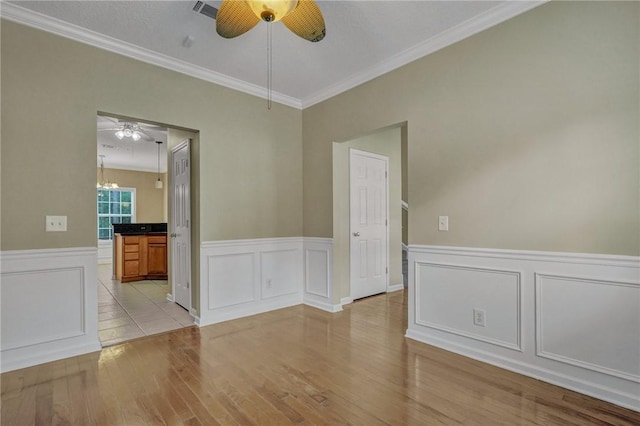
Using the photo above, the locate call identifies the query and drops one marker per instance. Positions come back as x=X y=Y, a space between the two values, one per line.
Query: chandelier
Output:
x=102 y=182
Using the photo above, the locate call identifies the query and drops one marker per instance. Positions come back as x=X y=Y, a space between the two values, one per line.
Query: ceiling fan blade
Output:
x=306 y=21
x=235 y=18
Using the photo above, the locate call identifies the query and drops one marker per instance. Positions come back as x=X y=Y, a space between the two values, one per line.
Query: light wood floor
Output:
x=292 y=366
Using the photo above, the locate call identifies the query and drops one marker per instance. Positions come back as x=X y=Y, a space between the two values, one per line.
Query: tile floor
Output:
x=136 y=309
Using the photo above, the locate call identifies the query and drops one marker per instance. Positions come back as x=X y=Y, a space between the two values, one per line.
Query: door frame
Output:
x=186 y=142
x=384 y=158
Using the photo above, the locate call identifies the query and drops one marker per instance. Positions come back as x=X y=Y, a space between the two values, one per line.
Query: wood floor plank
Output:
x=294 y=366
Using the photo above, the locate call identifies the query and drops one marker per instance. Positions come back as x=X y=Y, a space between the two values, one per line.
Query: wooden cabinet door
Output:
x=157 y=259
x=131 y=268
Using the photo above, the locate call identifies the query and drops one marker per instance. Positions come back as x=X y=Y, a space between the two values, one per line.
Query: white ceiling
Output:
x=127 y=154
x=364 y=39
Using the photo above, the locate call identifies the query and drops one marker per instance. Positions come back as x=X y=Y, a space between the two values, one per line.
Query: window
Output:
x=114 y=206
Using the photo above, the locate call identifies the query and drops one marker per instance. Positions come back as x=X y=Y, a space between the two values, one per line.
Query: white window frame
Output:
x=99 y=215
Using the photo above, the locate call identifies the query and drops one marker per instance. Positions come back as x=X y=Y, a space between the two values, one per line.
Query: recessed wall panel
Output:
x=279 y=272
x=231 y=279
x=590 y=323
x=41 y=306
x=447 y=295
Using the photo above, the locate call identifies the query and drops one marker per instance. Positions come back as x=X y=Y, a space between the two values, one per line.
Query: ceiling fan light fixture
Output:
x=136 y=136
x=272 y=10
x=127 y=132
x=120 y=134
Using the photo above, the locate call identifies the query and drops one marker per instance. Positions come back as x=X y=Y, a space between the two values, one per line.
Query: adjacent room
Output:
x=320 y=212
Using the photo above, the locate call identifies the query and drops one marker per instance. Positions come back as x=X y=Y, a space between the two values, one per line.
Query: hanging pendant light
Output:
x=159 y=181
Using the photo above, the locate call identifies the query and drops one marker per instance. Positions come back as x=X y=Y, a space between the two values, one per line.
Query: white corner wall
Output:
x=568 y=319
x=49 y=305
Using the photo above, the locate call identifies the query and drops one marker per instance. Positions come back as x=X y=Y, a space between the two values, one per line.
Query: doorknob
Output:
x=356 y=234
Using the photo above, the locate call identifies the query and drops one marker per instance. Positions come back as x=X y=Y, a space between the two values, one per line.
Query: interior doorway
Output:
x=134 y=180
x=389 y=142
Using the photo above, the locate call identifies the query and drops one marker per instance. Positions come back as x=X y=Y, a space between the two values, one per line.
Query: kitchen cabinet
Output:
x=140 y=257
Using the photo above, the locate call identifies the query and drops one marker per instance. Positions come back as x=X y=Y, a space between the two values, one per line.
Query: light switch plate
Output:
x=56 y=223
x=443 y=223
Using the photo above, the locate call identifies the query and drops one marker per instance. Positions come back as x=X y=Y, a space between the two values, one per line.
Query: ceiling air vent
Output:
x=205 y=9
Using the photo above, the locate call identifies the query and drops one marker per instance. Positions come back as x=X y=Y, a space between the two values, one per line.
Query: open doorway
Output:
x=135 y=294
x=386 y=144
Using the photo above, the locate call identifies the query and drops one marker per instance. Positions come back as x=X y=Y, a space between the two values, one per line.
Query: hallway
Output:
x=131 y=310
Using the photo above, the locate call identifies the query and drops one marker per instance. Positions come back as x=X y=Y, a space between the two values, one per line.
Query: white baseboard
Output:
x=49 y=305
x=533 y=325
x=323 y=305
x=395 y=287
x=170 y=298
x=346 y=301
x=30 y=358
x=573 y=383
x=246 y=310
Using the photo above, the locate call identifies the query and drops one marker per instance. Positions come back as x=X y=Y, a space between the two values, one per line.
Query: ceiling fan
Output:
x=127 y=129
x=302 y=17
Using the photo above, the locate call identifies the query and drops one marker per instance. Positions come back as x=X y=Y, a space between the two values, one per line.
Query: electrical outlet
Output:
x=56 y=223
x=479 y=317
x=443 y=223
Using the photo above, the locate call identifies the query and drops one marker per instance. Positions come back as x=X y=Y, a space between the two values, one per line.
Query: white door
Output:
x=180 y=219
x=369 y=250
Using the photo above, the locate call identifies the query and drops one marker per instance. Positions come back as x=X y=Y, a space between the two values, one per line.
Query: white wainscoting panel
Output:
x=49 y=305
x=589 y=310
x=246 y=277
x=231 y=279
x=318 y=273
x=569 y=319
x=105 y=252
x=280 y=273
x=447 y=295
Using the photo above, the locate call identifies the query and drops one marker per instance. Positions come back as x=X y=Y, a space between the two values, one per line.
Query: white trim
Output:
x=488 y=19
x=74 y=32
x=623 y=399
x=405 y=205
x=81 y=334
x=621 y=261
x=250 y=242
x=170 y=298
x=105 y=252
x=346 y=301
x=517 y=345
x=602 y=380
x=322 y=305
x=539 y=327
x=319 y=299
x=394 y=287
x=249 y=295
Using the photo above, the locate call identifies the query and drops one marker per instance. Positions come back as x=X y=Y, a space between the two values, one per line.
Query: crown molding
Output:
x=486 y=20
x=461 y=31
x=56 y=26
